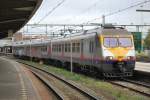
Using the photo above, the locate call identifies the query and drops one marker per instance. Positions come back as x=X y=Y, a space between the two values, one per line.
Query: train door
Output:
x=98 y=52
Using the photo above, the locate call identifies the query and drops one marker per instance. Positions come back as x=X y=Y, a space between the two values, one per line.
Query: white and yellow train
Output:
x=108 y=51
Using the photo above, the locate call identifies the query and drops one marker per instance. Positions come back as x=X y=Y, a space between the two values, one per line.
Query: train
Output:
x=6 y=47
x=108 y=51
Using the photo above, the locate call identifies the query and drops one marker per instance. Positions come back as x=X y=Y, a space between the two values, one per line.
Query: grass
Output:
x=102 y=88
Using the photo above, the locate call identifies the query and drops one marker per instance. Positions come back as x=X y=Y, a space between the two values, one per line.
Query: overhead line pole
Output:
x=142 y=10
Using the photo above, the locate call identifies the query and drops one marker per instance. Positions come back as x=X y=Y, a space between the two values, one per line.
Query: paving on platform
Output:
x=141 y=66
x=14 y=83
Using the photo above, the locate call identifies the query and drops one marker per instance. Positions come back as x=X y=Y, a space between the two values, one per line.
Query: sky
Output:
x=82 y=11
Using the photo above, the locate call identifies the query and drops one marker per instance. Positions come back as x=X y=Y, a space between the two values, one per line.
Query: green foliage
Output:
x=137 y=36
x=147 y=40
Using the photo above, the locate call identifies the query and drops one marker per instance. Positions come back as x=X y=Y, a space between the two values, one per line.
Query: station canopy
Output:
x=14 y=14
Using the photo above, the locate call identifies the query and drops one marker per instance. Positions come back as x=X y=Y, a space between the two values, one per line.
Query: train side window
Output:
x=56 y=48
x=59 y=48
x=69 y=47
x=65 y=47
x=73 y=47
x=44 y=49
x=91 y=46
x=77 y=47
x=53 y=48
x=82 y=49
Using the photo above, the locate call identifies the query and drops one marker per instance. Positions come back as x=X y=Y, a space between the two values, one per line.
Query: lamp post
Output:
x=71 y=67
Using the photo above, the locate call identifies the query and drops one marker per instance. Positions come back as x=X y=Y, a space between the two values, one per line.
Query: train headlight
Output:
x=109 y=58
x=130 y=57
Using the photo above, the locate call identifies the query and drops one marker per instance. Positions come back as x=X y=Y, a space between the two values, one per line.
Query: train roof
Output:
x=115 y=32
x=91 y=33
x=76 y=36
x=32 y=42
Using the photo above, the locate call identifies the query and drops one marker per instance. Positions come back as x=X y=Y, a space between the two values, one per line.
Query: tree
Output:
x=147 y=40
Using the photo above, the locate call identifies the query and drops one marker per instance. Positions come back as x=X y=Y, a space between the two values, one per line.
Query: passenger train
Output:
x=108 y=51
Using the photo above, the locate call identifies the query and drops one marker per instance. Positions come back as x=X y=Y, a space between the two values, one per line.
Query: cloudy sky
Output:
x=82 y=11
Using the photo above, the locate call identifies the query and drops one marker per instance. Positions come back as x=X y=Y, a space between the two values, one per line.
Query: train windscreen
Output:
x=125 y=42
x=117 y=42
x=110 y=42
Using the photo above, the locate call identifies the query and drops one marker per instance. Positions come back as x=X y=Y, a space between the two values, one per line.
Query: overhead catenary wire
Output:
x=51 y=11
x=132 y=6
x=83 y=12
x=121 y=10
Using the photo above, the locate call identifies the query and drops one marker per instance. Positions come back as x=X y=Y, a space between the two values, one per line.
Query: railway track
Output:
x=136 y=86
x=63 y=89
x=137 y=82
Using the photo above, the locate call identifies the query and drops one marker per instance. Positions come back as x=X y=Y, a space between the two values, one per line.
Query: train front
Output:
x=118 y=53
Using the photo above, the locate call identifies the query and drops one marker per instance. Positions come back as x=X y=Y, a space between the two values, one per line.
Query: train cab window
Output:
x=125 y=42
x=110 y=42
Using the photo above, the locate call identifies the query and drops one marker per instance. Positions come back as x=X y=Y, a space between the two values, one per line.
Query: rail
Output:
x=82 y=90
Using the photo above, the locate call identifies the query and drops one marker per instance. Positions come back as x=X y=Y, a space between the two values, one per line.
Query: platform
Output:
x=141 y=66
x=14 y=83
